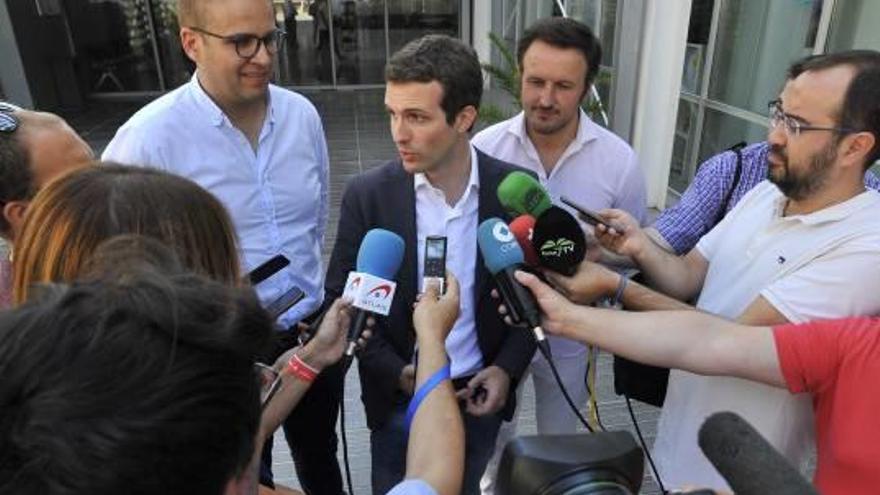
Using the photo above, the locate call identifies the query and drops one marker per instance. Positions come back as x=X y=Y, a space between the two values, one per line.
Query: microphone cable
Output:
x=544 y=347
x=346 y=364
x=635 y=423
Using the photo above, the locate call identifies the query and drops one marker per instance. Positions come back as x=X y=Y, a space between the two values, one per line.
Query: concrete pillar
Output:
x=12 y=76
x=659 y=82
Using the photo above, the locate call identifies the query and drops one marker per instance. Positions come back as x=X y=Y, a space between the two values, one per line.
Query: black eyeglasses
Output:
x=792 y=126
x=8 y=121
x=247 y=45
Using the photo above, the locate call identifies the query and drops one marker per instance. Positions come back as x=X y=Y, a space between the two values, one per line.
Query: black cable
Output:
x=347 y=360
x=645 y=446
x=545 y=350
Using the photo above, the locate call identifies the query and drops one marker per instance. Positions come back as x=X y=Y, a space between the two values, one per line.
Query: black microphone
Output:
x=559 y=241
x=749 y=464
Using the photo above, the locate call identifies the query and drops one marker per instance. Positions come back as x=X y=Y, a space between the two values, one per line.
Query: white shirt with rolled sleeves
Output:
x=598 y=170
x=276 y=196
x=817 y=266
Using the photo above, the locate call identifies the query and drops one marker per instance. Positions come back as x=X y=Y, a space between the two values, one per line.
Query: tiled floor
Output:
x=358 y=139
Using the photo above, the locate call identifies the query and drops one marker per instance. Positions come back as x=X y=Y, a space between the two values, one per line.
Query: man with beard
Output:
x=804 y=245
x=559 y=59
x=723 y=179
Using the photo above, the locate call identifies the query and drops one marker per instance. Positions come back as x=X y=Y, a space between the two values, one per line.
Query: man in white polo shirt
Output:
x=573 y=157
x=803 y=246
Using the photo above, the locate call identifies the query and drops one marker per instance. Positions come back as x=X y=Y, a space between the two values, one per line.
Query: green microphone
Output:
x=522 y=195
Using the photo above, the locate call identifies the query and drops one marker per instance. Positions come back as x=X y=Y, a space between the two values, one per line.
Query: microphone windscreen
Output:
x=520 y=193
x=498 y=245
x=746 y=460
x=380 y=254
x=559 y=241
x=523 y=227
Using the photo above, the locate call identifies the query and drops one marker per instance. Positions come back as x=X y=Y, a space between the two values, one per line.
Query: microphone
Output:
x=559 y=241
x=372 y=287
x=748 y=463
x=503 y=256
x=520 y=193
x=523 y=228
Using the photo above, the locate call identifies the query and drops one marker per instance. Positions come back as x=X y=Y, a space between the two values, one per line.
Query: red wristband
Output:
x=299 y=369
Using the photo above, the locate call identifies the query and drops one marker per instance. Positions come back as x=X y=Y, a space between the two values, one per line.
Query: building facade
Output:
x=681 y=79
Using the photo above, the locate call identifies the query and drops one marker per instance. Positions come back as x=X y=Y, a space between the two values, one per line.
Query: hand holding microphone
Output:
x=503 y=256
x=329 y=342
x=371 y=288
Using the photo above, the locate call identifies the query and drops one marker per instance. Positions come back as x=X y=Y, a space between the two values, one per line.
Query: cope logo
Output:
x=557 y=248
x=502 y=233
x=379 y=292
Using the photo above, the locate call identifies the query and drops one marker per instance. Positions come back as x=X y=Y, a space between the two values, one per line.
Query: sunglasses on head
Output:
x=8 y=121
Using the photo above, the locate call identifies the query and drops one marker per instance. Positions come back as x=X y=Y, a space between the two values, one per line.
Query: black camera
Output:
x=606 y=463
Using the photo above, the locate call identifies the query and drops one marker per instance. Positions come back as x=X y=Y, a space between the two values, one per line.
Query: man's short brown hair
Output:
x=193 y=12
x=189 y=12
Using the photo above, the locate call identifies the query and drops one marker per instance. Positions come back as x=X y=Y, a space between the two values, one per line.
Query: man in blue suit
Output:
x=439 y=186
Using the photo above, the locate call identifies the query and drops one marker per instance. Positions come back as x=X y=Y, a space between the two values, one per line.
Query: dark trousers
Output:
x=311 y=435
x=388 y=450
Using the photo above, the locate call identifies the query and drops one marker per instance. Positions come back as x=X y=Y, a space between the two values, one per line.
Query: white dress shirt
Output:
x=276 y=196
x=434 y=217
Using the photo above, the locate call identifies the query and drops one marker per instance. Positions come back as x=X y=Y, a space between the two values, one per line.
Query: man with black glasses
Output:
x=802 y=246
x=35 y=148
x=723 y=179
x=261 y=150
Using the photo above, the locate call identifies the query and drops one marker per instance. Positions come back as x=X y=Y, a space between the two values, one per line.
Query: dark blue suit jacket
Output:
x=384 y=197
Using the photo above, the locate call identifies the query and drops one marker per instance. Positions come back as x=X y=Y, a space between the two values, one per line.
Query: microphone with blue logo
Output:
x=371 y=287
x=503 y=256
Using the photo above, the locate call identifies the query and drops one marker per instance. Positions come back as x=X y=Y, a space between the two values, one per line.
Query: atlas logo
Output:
x=355 y=283
x=502 y=233
x=557 y=248
x=380 y=292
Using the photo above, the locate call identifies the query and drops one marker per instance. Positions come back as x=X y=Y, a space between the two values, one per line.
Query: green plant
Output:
x=507 y=75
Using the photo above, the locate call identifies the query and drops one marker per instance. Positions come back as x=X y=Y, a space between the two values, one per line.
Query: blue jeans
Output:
x=388 y=450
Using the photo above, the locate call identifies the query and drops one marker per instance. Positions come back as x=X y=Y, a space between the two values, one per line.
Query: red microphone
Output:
x=522 y=228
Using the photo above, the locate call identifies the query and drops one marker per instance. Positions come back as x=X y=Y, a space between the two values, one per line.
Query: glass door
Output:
x=114 y=45
x=127 y=46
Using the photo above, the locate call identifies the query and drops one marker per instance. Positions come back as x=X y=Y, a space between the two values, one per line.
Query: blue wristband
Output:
x=423 y=391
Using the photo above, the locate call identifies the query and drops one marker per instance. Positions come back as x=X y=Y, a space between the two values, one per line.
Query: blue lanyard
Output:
x=423 y=391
